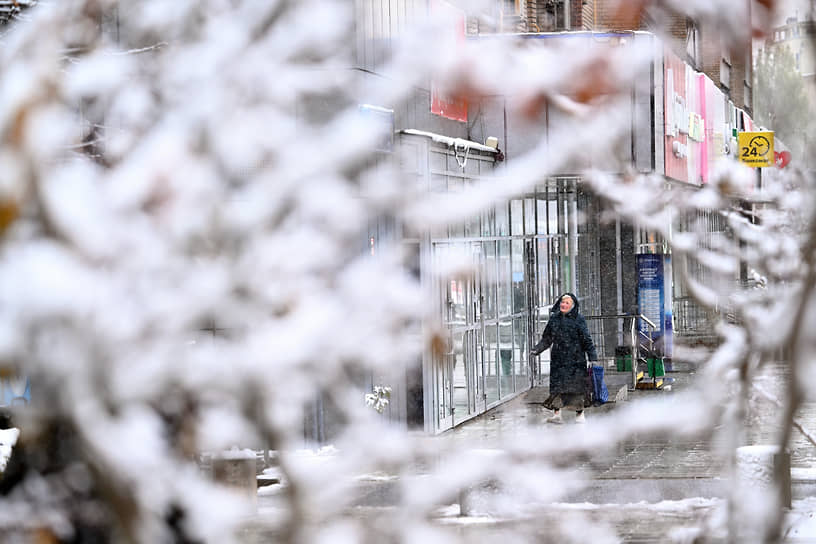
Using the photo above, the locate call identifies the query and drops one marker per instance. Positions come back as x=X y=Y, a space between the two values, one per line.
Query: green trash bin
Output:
x=624 y=363
x=623 y=359
x=655 y=367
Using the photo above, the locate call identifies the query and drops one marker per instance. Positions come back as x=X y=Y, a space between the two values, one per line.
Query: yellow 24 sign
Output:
x=756 y=149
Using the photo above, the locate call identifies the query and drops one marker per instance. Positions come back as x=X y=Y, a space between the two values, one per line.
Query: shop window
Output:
x=725 y=73
x=529 y=216
x=519 y=293
x=489 y=280
x=541 y=215
x=512 y=7
x=502 y=220
x=505 y=272
x=489 y=222
x=516 y=217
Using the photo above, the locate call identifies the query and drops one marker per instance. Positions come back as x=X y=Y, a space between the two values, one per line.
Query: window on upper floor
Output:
x=726 y=50
x=512 y=7
x=747 y=95
x=725 y=73
x=693 y=43
x=749 y=65
x=550 y=15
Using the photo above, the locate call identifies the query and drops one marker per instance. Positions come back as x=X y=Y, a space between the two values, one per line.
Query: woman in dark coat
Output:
x=567 y=333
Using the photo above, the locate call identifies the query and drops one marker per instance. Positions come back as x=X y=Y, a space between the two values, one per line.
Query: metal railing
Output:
x=627 y=334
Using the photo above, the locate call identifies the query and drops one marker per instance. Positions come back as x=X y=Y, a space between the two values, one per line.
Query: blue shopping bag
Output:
x=600 y=394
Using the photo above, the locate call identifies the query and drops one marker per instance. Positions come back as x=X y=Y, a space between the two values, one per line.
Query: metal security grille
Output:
x=588 y=264
x=692 y=320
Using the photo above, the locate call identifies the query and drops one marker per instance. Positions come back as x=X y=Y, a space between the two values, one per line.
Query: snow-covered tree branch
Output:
x=187 y=190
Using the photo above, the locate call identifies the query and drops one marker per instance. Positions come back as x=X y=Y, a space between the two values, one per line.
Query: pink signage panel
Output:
x=688 y=155
x=717 y=132
x=674 y=106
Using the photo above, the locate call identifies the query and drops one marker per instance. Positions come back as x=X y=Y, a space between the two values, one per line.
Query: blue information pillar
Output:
x=655 y=299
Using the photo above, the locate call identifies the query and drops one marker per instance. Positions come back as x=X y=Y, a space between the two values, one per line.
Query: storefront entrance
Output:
x=514 y=258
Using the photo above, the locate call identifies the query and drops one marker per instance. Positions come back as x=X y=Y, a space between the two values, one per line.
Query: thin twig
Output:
x=796 y=423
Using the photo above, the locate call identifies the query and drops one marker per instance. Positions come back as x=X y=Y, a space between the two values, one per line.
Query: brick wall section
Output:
x=576 y=13
x=588 y=15
x=742 y=71
x=673 y=27
x=739 y=74
x=608 y=17
x=677 y=28
x=605 y=15
x=529 y=9
x=712 y=54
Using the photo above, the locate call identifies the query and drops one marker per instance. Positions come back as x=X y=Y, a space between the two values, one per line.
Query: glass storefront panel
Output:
x=552 y=217
x=519 y=294
x=520 y=352
x=438 y=252
x=506 y=357
x=542 y=272
x=473 y=226
x=439 y=184
x=442 y=387
x=488 y=314
x=455 y=184
x=559 y=268
x=541 y=204
x=505 y=291
x=457 y=301
x=475 y=304
x=460 y=382
x=491 y=363
x=489 y=280
x=478 y=371
x=489 y=222
x=502 y=220
x=587 y=255
x=516 y=218
x=457 y=230
x=529 y=216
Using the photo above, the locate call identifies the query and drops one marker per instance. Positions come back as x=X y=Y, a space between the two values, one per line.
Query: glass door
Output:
x=460 y=373
x=533 y=371
x=443 y=387
x=467 y=368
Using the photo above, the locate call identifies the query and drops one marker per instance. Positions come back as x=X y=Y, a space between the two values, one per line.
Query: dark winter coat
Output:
x=568 y=336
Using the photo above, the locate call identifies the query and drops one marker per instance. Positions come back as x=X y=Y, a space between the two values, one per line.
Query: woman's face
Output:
x=566 y=304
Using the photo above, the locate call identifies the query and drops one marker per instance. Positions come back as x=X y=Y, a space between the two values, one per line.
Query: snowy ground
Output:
x=675 y=522
x=8 y=437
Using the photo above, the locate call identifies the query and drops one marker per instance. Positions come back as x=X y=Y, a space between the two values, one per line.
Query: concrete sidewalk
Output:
x=649 y=489
x=665 y=458
x=646 y=468
x=629 y=489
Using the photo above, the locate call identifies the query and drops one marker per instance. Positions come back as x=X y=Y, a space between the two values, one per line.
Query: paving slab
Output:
x=648 y=489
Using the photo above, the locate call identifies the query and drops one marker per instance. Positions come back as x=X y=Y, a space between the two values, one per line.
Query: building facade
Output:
x=533 y=247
